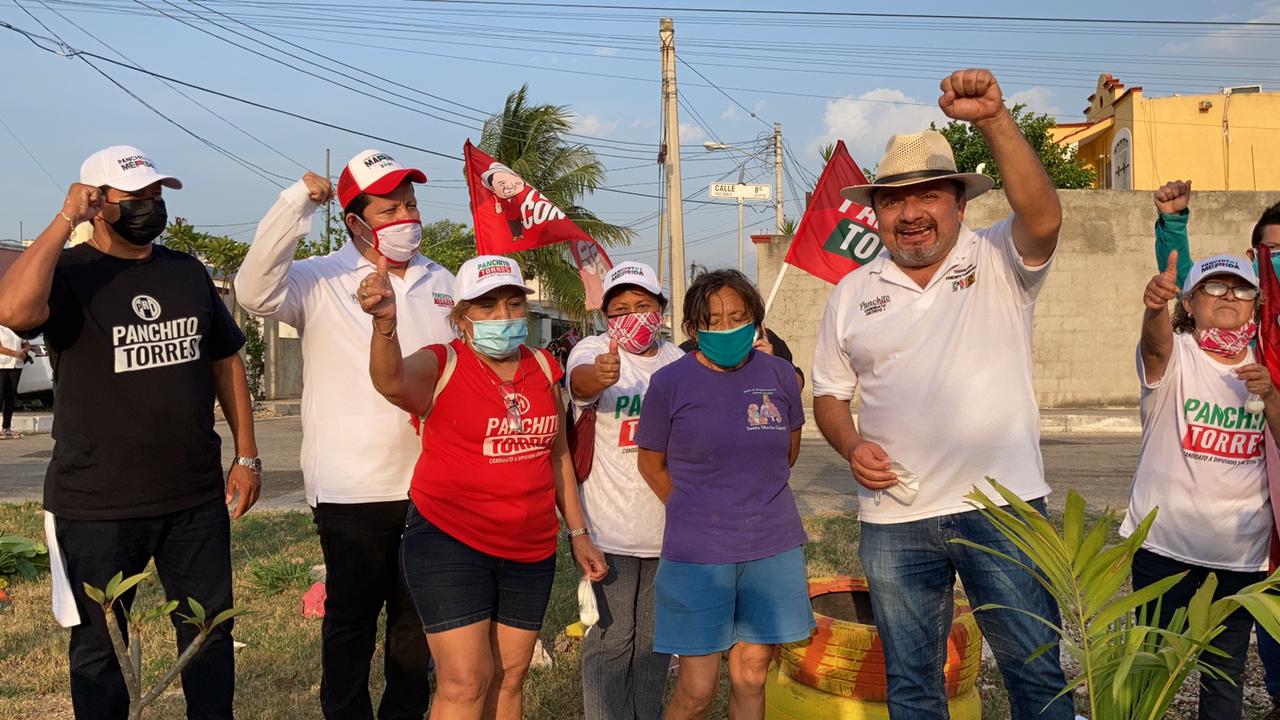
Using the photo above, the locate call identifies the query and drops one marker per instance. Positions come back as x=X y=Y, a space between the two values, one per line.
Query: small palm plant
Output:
x=130 y=656
x=1131 y=668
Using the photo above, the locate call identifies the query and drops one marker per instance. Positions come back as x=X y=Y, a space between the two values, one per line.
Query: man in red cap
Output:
x=358 y=450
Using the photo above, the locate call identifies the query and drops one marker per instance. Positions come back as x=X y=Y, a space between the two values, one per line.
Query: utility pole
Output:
x=328 y=205
x=675 y=208
x=777 y=176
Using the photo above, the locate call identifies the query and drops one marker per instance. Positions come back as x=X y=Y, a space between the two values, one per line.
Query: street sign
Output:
x=739 y=191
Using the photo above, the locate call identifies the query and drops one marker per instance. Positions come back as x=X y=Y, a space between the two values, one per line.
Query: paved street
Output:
x=1098 y=466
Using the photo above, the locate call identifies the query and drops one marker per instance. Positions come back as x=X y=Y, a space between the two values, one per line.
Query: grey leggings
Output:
x=622 y=677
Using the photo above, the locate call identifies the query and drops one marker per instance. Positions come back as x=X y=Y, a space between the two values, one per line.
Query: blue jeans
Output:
x=1269 y=653
x=911 y=569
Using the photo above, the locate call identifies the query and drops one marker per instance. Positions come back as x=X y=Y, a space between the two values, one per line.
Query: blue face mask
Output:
x=727 y=348
x=1275 y=263
x=499 y=339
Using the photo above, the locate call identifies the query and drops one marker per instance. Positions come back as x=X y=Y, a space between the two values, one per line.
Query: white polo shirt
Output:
x=356 y=446
x=945 y=372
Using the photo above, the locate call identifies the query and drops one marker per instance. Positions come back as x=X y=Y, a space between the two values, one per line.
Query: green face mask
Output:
x=727 y=348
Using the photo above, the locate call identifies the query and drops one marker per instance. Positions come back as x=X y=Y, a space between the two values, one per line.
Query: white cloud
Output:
x=606 y=51
x=1038 y=100
x=1231 y=42
x=730 y=113
x=866 y=122
x=690 y=133
x=595 y=125
x=758 y=107
x=644 y=123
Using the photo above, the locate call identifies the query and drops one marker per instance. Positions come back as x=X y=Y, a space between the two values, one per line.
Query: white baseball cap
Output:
x=373 y=172
x=1220 y=265
x=483 y=273
x=123 y=167
x=632 y=273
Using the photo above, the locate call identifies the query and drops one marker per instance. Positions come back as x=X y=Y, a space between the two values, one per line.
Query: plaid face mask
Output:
x=635 y=332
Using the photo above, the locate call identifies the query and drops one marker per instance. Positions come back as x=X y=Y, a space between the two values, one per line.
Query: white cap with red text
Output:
x=483 y=273
x=124 y=167
x=373 y=172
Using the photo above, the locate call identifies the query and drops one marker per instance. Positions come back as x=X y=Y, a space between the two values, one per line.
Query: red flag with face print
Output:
x=836 y=236
x=510 y=215
x=1269 y=355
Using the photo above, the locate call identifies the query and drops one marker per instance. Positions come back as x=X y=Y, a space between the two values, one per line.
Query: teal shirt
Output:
x=1171 y=234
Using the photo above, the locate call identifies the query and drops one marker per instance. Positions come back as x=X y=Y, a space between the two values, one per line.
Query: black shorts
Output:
x=454 y=585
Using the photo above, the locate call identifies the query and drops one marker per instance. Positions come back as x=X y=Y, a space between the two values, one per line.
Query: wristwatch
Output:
x=253 y=463
x=571 y=534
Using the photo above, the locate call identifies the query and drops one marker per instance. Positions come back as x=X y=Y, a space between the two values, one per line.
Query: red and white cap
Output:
x=483 y=273
x=124 y=167
x=373 y=172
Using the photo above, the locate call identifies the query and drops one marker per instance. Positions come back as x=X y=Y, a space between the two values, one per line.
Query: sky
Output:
x=435 y=69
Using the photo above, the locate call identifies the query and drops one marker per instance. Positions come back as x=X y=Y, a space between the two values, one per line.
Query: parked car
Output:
x=36 y=382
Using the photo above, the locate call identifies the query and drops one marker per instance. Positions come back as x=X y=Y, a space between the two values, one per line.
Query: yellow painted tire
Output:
x=845 y=659
x=787 y=699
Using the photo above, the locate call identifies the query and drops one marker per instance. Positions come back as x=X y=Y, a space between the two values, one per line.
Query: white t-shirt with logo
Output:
x=1201 y=464
x=945 y=372
x=624 y=515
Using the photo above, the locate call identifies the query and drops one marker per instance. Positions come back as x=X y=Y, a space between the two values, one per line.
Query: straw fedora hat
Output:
x=918 y=158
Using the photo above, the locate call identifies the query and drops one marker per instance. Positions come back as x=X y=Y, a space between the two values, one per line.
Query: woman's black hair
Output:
x=697 y=299
x=1270 y=216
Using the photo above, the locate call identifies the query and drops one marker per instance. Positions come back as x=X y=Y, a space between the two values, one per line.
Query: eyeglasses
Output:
x=512 y=400
x=1241 y=292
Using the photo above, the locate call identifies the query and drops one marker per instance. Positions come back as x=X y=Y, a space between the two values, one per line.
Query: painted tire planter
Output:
x=787 y=699
x=844 y=658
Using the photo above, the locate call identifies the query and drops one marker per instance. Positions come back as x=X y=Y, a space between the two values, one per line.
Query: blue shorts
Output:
x=706 y=609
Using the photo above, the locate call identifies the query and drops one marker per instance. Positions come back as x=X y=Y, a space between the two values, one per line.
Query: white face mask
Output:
x=396 y=241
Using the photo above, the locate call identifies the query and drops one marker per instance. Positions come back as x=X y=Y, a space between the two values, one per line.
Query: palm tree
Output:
x=529 y=139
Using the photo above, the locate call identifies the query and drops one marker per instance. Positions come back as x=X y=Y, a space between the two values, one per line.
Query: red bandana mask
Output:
x=635 y=332
x=1228 y=343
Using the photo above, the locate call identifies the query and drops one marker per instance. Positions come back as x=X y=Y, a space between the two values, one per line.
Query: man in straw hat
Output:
x=937 y=333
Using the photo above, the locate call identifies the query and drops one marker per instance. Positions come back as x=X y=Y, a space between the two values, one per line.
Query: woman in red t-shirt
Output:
x=478 y=551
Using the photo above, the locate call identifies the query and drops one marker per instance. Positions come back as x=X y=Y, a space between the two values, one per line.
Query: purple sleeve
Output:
x=655 y=415
x=795 y=406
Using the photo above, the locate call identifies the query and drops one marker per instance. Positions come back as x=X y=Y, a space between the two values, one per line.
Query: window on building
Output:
x=1121 y=170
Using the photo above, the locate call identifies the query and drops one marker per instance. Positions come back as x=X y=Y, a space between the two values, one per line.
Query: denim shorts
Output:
x=707 y=608
x=453 y=584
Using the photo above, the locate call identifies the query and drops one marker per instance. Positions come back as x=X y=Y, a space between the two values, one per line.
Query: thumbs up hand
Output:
x=377 y=298
x=1164 y=286
x=609 y=365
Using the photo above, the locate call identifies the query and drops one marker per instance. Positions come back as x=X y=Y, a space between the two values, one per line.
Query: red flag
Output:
x=1269 y=353
x=593 y=263
x=835 y=235
x=511 y=215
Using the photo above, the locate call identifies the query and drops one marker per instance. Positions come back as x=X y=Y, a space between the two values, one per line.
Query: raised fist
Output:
x=971 y=95
x=1172 y=197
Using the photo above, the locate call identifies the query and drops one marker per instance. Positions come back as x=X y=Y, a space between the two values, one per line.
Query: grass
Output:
x=278 y=675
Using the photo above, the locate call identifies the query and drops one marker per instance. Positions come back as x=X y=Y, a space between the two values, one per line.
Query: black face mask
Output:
x=141 y=221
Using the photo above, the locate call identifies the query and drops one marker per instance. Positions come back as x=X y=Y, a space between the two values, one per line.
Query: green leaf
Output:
x=112 y=584
x=197 y=610
x=227 y=614
x=1130 y=603
x=123 y=586
x=95 y=594
x=1073 y=522
x=1264 y=607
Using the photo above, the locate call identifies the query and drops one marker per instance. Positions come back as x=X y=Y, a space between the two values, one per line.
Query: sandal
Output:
x=9 y=435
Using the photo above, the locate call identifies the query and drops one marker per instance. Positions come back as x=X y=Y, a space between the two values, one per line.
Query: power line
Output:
x=202 y=106
x=246 y=164
x=31 y=155
x=854 y=14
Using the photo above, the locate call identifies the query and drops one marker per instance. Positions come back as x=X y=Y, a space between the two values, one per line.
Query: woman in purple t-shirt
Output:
x=719 y=431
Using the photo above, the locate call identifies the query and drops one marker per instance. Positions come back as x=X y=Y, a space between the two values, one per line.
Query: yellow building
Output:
x=1226 y=141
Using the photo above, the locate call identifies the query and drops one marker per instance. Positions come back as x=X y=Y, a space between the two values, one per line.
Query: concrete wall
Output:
x=1087 y=319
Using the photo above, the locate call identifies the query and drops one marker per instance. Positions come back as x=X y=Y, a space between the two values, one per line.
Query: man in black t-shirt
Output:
x=142 y=345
